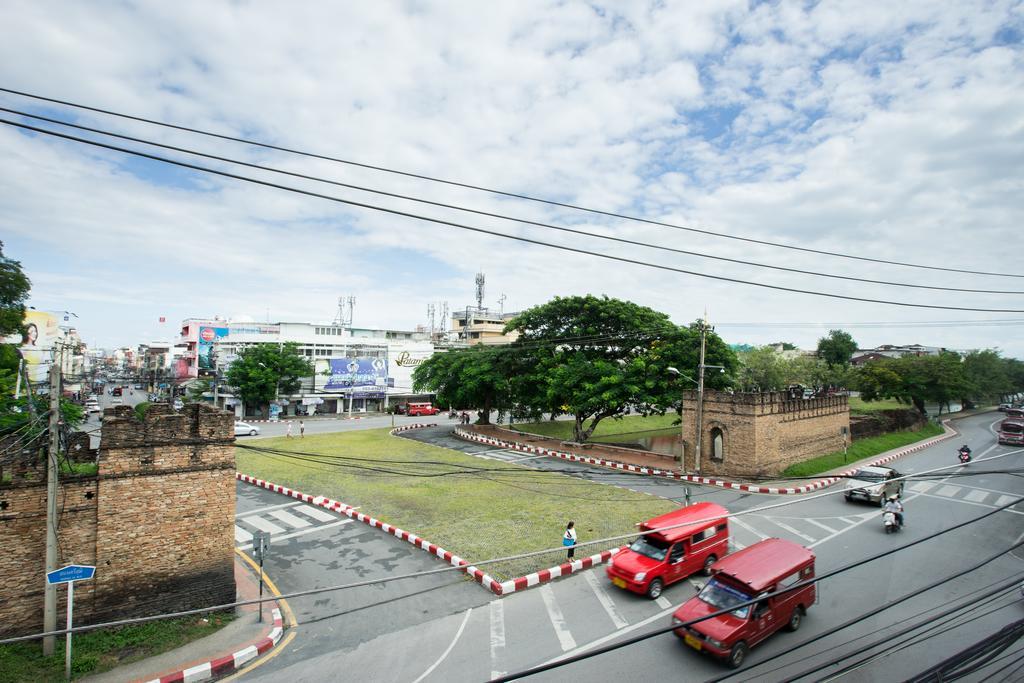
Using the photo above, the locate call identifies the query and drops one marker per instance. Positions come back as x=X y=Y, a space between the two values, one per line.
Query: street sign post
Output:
x=68 y=575
x=260 y=547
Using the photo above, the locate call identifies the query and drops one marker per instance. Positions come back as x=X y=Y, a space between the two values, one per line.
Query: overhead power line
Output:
x=489 y=214
x=502 y=193
x=462 y=226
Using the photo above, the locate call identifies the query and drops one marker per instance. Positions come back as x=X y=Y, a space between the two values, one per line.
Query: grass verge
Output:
x=864 y=448
x=98 y=651
x=473 y=507
x=859 y=406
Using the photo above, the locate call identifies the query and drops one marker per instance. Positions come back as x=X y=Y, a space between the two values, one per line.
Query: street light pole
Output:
x=682 y=424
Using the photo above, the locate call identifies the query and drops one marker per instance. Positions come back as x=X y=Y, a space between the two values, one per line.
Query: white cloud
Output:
x=892 y=130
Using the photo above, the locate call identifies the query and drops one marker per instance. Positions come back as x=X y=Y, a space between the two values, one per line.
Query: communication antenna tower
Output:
x=479 y=291
x=431 y=310
x=501 y=303
x=444 y=317
x=344 y=317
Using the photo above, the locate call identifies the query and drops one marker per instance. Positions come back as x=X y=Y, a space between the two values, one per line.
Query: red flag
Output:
x=163 y=319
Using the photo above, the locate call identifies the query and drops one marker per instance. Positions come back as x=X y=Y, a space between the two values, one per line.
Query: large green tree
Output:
x=460 y=378
x=915 y=379
x=987 y=375
x=263 y=371
x=597 y=357
x=14 y=289
x=837 y=348
x=762 y=369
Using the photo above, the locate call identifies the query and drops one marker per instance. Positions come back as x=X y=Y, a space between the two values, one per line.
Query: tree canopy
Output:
x=14 y=289
x=263 y=371
x=915 y=379
x=477 y=376
x=837 y=348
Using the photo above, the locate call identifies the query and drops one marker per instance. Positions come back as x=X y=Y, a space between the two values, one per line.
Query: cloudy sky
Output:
x=885 y=130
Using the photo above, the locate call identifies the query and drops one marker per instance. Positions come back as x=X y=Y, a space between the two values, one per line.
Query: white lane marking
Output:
x=1003 y=500
x=242 y=536
x=739 y=522
x=845 y=520
x=922 y=486
x=613 y=635
x=819 y=524
x=290 y=519
x=315 y=513
x=948 y=490
x=976 y=496
x=458 y=634
x=981 y=505
x=565 y=638
x=663 y=602
x=497 y=637
x=606 y=601
x=310 y=530
x=790 y=529
x=260 y=511
x=263 y=525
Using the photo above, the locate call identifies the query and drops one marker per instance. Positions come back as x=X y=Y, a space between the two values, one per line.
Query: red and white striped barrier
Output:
x=228 y=663
x=752 y=488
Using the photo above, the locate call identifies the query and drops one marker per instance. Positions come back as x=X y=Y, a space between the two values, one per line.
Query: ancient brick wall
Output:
x=157 y=522
x=762 y=433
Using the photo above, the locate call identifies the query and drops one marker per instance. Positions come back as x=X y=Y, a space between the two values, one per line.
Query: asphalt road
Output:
x=444 y=629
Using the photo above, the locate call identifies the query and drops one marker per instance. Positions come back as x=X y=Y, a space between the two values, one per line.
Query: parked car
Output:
x=1003 y=407
x=116 y=400
x=178 y=404
x=91 y=406
x=871 y=483
x=244 y=428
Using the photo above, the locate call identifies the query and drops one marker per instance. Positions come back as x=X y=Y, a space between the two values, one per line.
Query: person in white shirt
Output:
x=894 y=506
x=569 y=539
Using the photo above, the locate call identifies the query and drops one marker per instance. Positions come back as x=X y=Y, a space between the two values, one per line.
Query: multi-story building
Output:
x=355 y=369
x=482 y=326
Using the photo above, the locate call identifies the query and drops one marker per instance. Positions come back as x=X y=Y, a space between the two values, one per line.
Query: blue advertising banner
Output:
x=361 y=375
x=208 y=336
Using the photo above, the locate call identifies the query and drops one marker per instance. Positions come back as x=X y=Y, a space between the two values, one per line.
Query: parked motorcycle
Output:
x=964 y=454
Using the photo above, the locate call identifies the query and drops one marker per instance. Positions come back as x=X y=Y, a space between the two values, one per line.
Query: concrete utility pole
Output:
x=700 y=394
x=50 y=594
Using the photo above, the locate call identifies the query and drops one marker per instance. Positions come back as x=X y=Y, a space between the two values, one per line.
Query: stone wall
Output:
x=157 y=522
x=763 y=433
x=885 y=421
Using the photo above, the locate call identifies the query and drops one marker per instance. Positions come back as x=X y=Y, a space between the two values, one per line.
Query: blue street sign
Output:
x=73 y=572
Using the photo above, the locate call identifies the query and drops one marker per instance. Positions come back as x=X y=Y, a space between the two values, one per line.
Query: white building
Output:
x=355 y=369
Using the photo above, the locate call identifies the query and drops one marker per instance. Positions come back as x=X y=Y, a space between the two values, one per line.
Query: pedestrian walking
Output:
x=569 y=539
x=302 y=429
x=288 y=433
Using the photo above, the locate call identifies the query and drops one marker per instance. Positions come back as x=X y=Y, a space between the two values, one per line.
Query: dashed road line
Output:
x=565 y=638
x=260 y=511
x=606 y=601
x=922 y=486
x=663 y=602
x=1003 y=500
x=497 y=637
x=976 y=496
x=315 y=513
x=948 y=490
x=242 y=536
x=846 y=520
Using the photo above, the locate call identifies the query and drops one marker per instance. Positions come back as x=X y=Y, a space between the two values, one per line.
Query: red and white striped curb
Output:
x=564 y=569
x=228 y=663
x=752 y=488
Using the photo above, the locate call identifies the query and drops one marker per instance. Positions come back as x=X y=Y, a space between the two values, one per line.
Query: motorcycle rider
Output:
x=965 y=450
x=894 y=506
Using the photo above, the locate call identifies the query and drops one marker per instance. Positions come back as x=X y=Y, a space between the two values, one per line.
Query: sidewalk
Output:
x=244 y=636
x=654 y=464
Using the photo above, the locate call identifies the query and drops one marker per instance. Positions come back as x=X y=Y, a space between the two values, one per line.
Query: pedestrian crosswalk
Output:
x=284 y=521
x=968 y=494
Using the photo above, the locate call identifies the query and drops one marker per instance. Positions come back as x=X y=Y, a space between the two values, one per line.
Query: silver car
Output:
x=871 y=483
x=244 y=428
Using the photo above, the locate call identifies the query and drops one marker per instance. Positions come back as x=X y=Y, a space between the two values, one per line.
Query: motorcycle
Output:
x=452 y=414
x=890 y=522
x=965 y=455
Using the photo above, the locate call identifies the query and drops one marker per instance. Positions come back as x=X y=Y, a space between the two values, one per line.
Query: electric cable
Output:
x=312 y=591
x=493 y=233
x=489 y=214
x=501 y=193
x=972 y=658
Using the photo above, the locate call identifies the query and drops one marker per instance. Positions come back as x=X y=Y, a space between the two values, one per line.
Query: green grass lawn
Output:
x=98 y=651
x=480 y=509
x=863 y=448
x=624 y=429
